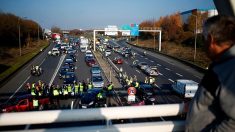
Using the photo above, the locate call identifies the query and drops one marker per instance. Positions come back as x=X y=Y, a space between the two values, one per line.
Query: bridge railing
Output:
x=105 y=114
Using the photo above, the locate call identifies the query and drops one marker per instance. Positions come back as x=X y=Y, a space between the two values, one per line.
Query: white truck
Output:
x=186 y=88
x=84 y=43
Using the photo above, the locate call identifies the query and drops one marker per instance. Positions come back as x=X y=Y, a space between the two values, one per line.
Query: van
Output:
x=107 y=53
x=186 y=88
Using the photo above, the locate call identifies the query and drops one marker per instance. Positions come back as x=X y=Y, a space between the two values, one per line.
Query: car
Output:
x=73 y=57
x=88 y=53
x=117 y=60
x=107 y=53
x=70 y=63
x=95 y=70
x=90 y=61
x=151 y=71
x=70 y=78
x=24 y=103
x=97 y=81
x=88 y=99
x=145 y=91
x=54 y=52
x=71 y=50
x=142 y=65
x=184 y=87
x=64 y=70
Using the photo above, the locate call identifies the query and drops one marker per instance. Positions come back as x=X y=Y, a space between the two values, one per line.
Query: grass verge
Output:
x=15 y=62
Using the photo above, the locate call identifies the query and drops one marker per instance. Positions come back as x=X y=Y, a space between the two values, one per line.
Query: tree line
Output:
x=175 y=30
x=10 y=27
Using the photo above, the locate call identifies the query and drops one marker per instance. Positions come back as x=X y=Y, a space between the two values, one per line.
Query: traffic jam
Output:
x=95 y=91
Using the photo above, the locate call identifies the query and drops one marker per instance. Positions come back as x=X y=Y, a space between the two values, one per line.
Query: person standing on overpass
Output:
x=213 y=106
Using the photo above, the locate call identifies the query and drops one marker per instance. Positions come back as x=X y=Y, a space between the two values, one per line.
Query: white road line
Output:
x=178 y=74
x=160 y=74
x=18 y=89
x=159 y=65
x=138 y=71
x=27 y=127
x=170 y=80
x=151 y=61
x=168 y=69
x=57 y=69
x=141 y=56
x=158 y=86
x=146 y=58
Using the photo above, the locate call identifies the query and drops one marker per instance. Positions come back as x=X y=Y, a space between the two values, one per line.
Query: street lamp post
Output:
x=19 y=35
x=195 y=40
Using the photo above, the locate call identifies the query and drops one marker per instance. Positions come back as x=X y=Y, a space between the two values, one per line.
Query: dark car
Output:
x=64 y=70
x=145 y=90
x=72 y=57
x=88 y=99
x=70 y=63
x=90 y=60
x=70 y=78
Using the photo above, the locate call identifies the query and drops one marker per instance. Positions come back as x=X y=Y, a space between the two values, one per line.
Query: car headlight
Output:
x=91 y=103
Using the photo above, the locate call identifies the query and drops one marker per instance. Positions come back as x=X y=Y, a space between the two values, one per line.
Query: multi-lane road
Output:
x=169 y=69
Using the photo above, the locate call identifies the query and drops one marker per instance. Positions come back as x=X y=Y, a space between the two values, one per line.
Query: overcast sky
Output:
x=91 y=14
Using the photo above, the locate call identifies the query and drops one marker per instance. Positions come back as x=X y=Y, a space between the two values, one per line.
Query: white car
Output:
x=88 y=53
x=54 y=51
x=107 y=52
x=186 y=88
x=152 y=71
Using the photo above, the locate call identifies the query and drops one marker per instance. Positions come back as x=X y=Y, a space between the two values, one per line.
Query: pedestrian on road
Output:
x=213 y=106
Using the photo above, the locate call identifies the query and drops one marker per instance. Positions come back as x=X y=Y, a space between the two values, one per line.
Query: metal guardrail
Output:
x=111 y=113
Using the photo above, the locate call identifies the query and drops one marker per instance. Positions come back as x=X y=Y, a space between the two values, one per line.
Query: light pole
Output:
x=195 y=40
x=38 y=33
x=19 y=35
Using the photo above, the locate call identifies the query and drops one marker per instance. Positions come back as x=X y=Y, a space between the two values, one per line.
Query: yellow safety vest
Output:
x=66 y=92
x=69 y=89
x=89 y=86
x=76 y=88
x=35 y=103
x=136 y=85
x=110 y=87
x=55 y=92
x=81 y=88
x=33 y=91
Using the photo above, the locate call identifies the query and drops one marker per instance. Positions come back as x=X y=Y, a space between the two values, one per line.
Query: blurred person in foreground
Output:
x=213 y=107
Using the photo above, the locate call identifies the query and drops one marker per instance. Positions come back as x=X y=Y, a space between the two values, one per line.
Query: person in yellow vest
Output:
x=69 y=88
x=56 y=92
x=33 y=91
x=76 y=89
x=35 y=103
x=137 y=85
x=81 y=88
x=90 y=86
x=65 y=91
x=110 y=89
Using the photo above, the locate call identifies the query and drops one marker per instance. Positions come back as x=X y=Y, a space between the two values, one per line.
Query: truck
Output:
x=184 y=87
x=56 y=37
x=84 y=43
x=24 y=103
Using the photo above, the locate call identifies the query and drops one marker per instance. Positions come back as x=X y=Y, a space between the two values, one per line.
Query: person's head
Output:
x=219 y=35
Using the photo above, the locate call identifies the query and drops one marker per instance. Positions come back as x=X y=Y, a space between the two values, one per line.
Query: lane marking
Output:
x=170 y=80
x=159 y=65
x=146 y=58
x=151 y=61
x=160 y=73
x=138 y=71
x=23 y=82
x=168 y=69
x=141 y=56
x=179 y=74
x=18 y=89
x=57 y=69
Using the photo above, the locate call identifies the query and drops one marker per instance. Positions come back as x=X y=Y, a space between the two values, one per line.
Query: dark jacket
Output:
x=213 y=107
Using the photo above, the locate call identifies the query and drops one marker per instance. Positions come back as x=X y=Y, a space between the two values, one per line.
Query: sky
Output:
x=97 y=14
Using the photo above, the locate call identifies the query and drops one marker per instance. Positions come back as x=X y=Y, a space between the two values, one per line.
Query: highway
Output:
x=169 y=69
